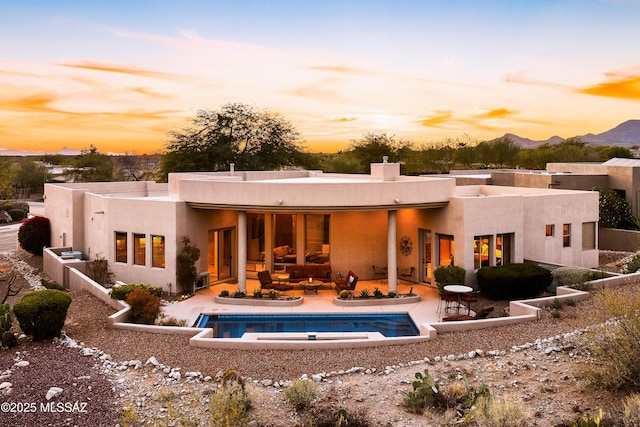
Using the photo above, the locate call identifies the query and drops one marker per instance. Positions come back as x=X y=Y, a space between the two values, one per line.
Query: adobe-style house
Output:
x=247 y=221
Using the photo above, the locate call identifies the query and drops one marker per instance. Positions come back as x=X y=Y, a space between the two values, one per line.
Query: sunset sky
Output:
x=120 y=74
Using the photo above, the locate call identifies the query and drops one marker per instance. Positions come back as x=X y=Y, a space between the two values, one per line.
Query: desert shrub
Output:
x=17 y=214
x=556 y=304
x=377 y=293
x=632 y=265
x=631 y=410
x=224 y=293
x=513 y=281
x=327 y=416
x=186 y=272
x=449 y=274
x=229 y=406
x=7 y=337
x=616 y=348
x=172 y=321
x=301 y=393
x=34 y=234
x=145 y=307
x=491 y=411
x=392 y=294
x=41 y=314
x=239 y=294
x=257 y=293
x=576 y=277
x=98 y=270
x=121 y=292
x=344 y=294
x=365 y=293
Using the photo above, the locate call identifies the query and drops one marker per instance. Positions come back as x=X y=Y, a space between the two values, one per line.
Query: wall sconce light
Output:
x=396 y=200
x=280 y=201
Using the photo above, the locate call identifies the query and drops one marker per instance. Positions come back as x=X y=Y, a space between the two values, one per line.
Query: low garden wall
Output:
x=613 y=239
x=519 y=311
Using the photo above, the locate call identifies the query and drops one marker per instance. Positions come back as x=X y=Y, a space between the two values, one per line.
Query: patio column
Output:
x=392 y=260
x=242 y=251
x=268 y=241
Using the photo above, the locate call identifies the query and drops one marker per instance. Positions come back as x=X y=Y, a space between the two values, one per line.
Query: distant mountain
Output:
x=626 y=134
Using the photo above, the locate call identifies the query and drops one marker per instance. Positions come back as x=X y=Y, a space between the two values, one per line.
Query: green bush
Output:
x=17 y=214
x=301 y=393
x=224 y=293
x=121 y=292
x=513 y=281
x=145 y=307
x=41 y=314
x=448 y=275
x=576 y=277
x=344 y=294
x=632 y=265
x=34 y=234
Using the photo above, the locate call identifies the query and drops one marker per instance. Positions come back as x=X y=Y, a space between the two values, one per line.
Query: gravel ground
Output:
x=146 y=395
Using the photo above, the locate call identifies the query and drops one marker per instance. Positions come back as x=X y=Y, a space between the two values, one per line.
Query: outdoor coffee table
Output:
x=459 y=290
x=309 y=287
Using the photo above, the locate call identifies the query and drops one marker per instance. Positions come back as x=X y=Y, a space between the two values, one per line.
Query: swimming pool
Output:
x=235 y=325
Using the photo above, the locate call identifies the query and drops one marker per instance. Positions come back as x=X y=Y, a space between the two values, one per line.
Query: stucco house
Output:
x=247 y=221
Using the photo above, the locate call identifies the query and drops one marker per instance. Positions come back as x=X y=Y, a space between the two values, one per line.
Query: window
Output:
x=503 y=248
x=157 y=253
x=588 y=235
x=481 y=251
x=139 y=249
x=549 y=232
x=255 y=237
x=284 y=249
x=445 y=249
x=566 y=235
x=121 y=247
x=317 y=239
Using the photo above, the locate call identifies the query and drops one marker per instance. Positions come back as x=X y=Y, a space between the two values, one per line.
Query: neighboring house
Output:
x=246 y=221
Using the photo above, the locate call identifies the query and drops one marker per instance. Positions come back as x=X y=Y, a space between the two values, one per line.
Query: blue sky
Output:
x=121 y=74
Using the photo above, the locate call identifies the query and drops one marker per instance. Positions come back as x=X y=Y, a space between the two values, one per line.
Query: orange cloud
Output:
x=440 y=118
x=35 y=102
x=625 y=87
x=88 y=65
x=497 y=113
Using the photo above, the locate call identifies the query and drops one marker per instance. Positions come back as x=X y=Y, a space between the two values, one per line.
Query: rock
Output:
x=152 y=361
x=22 y=364
x=53 y=392
x=5 y=384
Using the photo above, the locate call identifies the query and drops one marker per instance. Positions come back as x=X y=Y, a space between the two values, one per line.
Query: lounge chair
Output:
x=481 y=314
x=348 y=283
x=267 y=283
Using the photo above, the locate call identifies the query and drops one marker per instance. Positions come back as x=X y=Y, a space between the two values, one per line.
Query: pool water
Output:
x=236 y=325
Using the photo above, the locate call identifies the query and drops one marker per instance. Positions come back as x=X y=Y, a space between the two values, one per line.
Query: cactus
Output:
x=6 y=319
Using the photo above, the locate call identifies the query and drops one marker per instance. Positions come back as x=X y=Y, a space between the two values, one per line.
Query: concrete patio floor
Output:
x=424 y=311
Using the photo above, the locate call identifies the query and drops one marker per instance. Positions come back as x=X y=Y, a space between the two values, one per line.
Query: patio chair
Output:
x=348 y=283
x=267 y=283
x=448 y=301
x=481 y=314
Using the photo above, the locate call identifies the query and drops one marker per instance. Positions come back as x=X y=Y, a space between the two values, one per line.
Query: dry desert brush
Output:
x=615 y=345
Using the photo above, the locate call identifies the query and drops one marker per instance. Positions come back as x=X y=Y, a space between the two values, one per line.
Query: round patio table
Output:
x=311 y=286
x=459 y=290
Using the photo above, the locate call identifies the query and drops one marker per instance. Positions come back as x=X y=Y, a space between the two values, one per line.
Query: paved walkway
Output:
x=424 y=311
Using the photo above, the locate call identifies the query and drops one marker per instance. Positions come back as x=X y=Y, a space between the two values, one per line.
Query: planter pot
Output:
x=260 y=302
x=358 y=302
